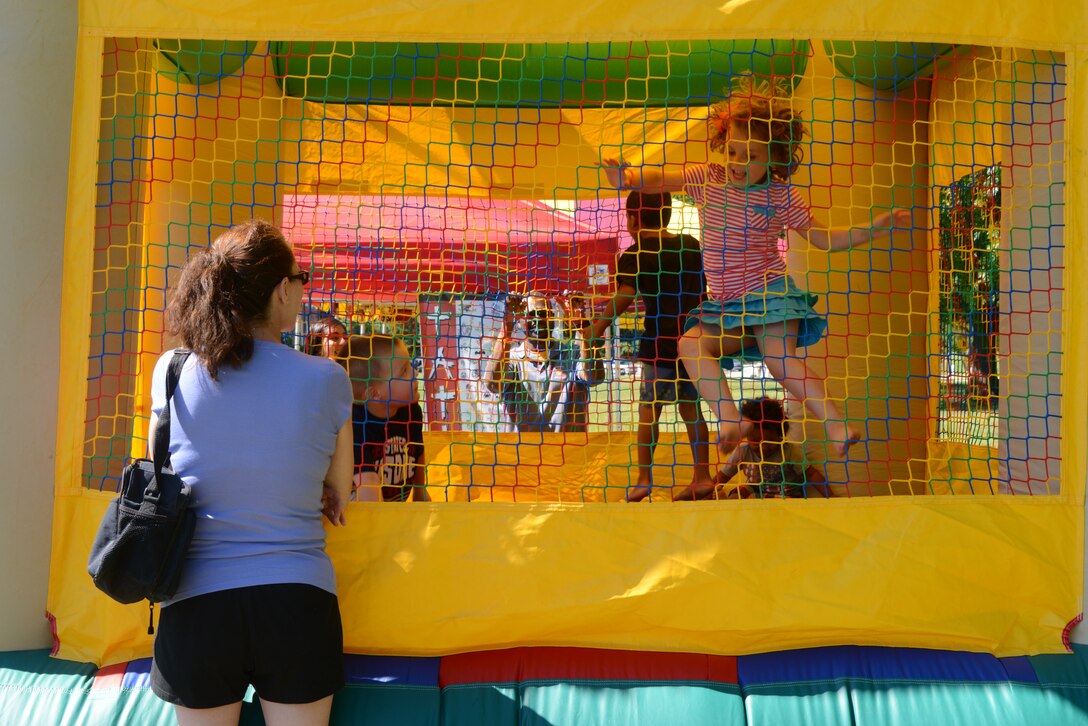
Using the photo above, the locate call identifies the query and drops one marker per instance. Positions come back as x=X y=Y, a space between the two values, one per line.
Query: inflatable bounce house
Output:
x=438 y=169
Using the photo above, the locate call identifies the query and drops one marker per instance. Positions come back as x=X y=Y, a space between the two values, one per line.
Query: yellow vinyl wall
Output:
x=997 y=574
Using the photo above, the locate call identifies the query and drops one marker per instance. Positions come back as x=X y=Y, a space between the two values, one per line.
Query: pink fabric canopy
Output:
x=389 y=247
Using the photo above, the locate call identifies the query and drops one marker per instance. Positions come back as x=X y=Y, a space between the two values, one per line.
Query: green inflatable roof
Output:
x=675 y=73
x=889 y=65
x=539 y=74
x=196 y=62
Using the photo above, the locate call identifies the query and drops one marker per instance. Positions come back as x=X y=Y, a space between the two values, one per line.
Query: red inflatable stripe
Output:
x=529 y=664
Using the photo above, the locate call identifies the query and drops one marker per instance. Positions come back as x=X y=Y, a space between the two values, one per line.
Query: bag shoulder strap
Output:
x=161 y=454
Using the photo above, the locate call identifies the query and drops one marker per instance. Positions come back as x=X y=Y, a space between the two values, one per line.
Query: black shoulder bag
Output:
x=144 y=537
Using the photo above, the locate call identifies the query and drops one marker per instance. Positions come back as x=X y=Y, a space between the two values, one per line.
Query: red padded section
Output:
x=529 y=664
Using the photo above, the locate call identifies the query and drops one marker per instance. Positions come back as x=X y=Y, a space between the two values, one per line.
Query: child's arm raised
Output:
x=654 y=180
x=837 y=240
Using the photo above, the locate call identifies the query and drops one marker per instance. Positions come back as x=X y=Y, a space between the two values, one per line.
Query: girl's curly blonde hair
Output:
x=765 y=109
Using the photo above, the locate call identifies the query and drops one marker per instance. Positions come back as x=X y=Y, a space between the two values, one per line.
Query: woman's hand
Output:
x=333 y=506
x=336 y=488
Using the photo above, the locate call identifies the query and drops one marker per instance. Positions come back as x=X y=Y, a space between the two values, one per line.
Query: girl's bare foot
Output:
x=639 y=493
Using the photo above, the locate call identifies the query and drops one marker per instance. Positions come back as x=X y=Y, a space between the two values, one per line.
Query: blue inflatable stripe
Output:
x=391 y=671
x=137 y=674
x=1019 y=669
x=870 y=663
x=358 y=670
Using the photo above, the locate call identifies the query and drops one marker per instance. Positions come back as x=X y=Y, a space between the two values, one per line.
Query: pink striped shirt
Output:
x=741 y=228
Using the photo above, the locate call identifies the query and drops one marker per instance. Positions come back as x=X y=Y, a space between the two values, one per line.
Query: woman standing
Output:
x=262 y=433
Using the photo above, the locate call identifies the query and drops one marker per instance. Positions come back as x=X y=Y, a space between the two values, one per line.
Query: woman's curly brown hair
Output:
x=765 y=109
x=225 y=290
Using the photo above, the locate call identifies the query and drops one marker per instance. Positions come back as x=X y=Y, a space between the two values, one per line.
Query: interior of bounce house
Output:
x=440 y=175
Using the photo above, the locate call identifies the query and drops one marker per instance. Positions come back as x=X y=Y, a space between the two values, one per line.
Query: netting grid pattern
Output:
x=454 y=196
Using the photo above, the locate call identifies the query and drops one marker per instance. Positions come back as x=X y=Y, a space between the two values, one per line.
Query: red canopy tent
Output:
x=387 y=248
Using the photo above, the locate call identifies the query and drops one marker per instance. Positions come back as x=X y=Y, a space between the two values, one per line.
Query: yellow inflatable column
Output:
x=215 y=162
x=965 y=116
x=871 y=156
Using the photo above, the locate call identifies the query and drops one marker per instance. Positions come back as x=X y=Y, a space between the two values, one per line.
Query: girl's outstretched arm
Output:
x=847 y=238
x=652 y=179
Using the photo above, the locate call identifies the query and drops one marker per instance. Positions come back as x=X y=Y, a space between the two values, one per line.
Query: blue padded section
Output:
x=391 y=671
x=358 y=669
x=872 y=663
x=1019 y=669
x=137 y=674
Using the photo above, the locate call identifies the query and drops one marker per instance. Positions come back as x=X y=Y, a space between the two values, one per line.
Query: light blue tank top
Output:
x=255 y=447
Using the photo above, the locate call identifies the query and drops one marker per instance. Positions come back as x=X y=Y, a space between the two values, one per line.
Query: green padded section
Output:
x=478 y=703
x=825 y=703
x=928 y=703
x=37 y=689
x=886 y=65
x=1064 y=669
x=593 y=703
x=196 y=62
x=600 y=703
x=1065 y=680
x=908 y=703
x=676 y=73
x=386 y=705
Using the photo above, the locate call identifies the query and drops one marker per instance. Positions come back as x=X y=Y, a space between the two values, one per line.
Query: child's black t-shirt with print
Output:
x=391 y=448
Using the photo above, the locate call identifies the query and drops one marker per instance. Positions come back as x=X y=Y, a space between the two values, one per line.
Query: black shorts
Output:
x=285 y=640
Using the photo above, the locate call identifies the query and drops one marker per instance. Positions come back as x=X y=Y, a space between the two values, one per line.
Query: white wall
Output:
x=37 y=67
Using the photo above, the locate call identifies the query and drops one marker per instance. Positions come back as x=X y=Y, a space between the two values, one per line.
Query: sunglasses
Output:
x=303 y=277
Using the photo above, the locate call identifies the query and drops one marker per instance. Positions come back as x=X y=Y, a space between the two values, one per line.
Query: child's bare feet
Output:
x=694 y=493
x=842 y=437
x=698 y=489
x=741 y=492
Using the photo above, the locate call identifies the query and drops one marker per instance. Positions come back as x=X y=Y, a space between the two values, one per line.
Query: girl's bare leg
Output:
x=778 y=343
x=698 y=437
x=701 y=349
